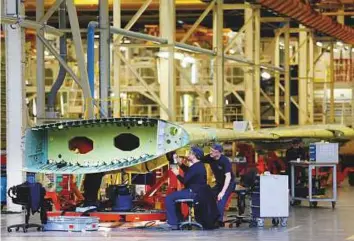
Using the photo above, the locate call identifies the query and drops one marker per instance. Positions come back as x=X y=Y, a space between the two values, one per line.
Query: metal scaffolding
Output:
x=203 y=81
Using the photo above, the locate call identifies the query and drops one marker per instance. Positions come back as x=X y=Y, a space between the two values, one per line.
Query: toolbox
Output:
x=74 y=224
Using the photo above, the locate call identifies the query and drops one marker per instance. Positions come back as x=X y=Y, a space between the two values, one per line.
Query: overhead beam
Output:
x=30 y=25
x=339 y=13
x=134 y=19
x=199 y=20
x=235 y=6
x=50 y=12
x=138 y=35
x=273 y=19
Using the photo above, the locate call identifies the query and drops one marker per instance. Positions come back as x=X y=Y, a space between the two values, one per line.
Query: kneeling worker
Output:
x=225 y=179
x=195 y=177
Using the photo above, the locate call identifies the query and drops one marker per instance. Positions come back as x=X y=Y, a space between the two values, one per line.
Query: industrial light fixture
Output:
x=339 y=43
x=319 y=44
x=265 y=75
x=123 y=95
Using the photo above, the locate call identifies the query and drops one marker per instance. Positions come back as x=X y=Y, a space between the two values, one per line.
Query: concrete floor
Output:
x=304 y=223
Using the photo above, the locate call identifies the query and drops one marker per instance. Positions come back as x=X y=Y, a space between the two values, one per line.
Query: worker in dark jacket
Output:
x=224 y=177
x=194 y=179
x=295 y=152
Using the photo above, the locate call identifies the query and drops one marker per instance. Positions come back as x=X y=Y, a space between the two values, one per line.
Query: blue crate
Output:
x=3 y=189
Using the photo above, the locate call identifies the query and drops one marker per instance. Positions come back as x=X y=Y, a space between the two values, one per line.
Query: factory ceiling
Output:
x=188 y=12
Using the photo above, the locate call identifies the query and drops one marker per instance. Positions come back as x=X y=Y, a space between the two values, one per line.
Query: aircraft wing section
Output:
x=91 y=146
x=333 y=132
x=198 y=135
x=104 y=145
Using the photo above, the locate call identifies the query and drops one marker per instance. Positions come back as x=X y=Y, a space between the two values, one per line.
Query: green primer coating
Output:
x=103 y=142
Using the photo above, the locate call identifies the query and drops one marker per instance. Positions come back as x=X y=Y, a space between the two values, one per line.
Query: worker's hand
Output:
x=175 y=170
x=220 y=196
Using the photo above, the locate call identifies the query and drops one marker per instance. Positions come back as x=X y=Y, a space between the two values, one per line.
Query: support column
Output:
x=302 y=77
x=79 y=51
x=40 y=66
x=257 y=72
x=104 y=56
x=287 y=75
x=248 y=77
x=116 y=60
x=331 y=111
x=167 y=66
x=277 y=79
x=218 y=68
x=15 y=100
x=352 y=101
x=310 y=74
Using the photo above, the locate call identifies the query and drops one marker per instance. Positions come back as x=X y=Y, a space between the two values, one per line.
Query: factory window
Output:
x=80 y=145
x=126 y=142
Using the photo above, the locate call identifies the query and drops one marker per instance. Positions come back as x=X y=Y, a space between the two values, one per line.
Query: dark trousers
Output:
x=174 y=216
x=222 y=203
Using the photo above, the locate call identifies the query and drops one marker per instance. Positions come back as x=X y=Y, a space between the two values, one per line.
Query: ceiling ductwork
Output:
x=307 y=16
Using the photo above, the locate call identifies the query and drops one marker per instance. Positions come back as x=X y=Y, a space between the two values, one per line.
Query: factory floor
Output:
x=321 y=223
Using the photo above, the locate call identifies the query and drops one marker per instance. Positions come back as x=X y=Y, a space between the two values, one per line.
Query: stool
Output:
x=190 y=223
x=239 y=218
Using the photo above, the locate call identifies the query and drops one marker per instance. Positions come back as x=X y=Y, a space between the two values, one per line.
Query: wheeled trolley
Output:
x=270 y=201
x=74 y=224
x=312 y=196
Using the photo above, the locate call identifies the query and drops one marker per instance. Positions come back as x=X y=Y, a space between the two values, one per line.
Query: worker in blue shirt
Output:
x=195 y=177
x=224 y=177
